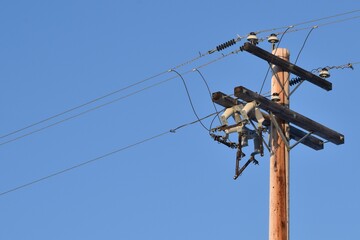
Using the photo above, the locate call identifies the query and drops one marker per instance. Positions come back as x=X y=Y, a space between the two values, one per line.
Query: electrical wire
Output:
x=338 y=21
x=208 y=88
x=189 y=97
x=82 y=164
x=99 y=98
x=309 y=21
x=193 y=122
x=132 y=85
x=297 y=58
x=238 y=38
x=306 y=28
x=81 y=105
x=112 y=101
x=303 y=45
x=212 y=121
x=84 y=112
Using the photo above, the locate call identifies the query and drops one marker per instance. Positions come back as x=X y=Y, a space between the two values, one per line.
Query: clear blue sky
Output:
x=55 y=55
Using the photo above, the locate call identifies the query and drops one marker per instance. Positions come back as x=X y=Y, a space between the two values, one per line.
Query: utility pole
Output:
x=279 y=156
x=274 y=118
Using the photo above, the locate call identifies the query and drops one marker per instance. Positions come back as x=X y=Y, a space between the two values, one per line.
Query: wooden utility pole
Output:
x=279 y=159
x=277 y=117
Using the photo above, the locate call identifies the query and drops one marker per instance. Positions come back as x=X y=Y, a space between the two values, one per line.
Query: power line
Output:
x=113 y=101
x=84 y=112
x=322 y=25
x=82 y=164
x=306 y=28
x=100 y=98
x=310 y=21
x=81 y=105
x=179 y=66
x=238 y=38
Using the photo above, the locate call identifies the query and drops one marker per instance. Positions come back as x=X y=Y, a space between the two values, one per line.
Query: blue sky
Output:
x=56 y=55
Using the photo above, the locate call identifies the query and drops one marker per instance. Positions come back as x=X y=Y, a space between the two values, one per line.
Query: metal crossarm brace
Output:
x=295 y=133
x=285 y=140
x=287 y=66
x=300 y=140
x=290 y=116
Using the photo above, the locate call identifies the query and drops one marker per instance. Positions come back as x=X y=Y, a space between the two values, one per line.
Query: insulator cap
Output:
x=273 y=38
x=252 y=38
x=324 y=73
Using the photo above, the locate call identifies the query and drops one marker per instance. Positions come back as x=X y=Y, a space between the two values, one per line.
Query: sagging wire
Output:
x=82 y=164
x=303 y=45
x=189 y=97
x=208 y=88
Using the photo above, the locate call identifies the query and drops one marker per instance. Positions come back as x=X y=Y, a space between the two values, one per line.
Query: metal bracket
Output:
x=273 y=121
x=300 y=140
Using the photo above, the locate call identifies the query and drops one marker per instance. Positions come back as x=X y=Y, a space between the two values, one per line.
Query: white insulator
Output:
x=252 y=38
x=275 y=97
x=324 y=73
x=273 y=38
